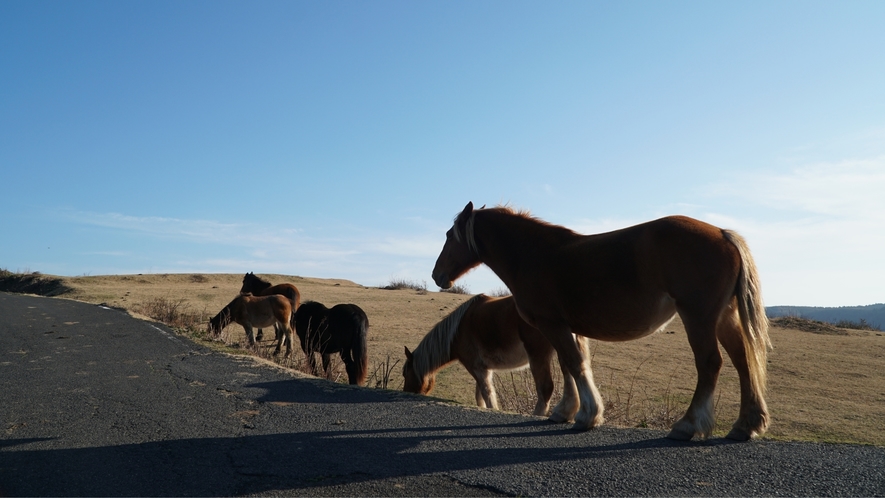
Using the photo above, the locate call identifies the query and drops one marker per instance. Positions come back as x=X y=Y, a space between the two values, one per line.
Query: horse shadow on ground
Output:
x=305 y=461
x=375 y=454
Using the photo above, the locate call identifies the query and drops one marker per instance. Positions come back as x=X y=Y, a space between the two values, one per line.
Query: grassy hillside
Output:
x=825 y=383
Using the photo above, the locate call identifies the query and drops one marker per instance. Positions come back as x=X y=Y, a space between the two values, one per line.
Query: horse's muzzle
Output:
x=442 y=281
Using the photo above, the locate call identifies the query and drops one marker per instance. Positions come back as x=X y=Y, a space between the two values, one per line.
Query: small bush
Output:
x=500 y=292
x=860 y=325
x=456 y=289
x=398 y=284
x=172 y=313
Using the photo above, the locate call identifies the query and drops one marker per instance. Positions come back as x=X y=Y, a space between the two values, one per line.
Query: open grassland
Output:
x=825 y=385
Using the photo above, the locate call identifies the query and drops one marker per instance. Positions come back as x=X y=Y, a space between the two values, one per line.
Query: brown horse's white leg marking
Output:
x=485 y=389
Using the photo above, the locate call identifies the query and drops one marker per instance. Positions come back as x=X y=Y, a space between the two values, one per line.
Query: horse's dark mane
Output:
x=519 y=215
x=257 y=281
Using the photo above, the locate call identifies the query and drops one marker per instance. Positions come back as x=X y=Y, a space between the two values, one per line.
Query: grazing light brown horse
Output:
x=484 y=334
x=257 y=286
x=257 y=311
x=624 y=285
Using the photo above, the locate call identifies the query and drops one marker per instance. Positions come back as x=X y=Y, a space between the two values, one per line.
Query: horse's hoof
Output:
x=739 y=435
x=259 y=336
x=556 y=418
x=680 y=435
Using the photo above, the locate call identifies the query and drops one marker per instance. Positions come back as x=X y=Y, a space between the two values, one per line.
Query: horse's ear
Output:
x=408 y=353
x=467 y=210
x=464 y=216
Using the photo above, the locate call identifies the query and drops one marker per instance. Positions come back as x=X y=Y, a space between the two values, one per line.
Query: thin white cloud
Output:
x=819 y=239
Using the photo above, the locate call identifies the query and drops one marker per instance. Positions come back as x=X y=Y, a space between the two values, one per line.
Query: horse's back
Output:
x=348 y=316
x=624 y=284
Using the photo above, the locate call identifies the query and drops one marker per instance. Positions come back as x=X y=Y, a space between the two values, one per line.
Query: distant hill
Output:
x=873 y=314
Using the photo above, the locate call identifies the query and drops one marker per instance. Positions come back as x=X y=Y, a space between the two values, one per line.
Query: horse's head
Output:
x=249 y=281
x=412 y=383
x=217 y=323
x=459 y=254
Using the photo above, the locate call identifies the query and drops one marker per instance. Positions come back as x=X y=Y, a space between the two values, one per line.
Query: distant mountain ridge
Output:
x=873 y=314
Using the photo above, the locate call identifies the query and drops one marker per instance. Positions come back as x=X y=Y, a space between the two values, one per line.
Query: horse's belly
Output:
x=628 y=323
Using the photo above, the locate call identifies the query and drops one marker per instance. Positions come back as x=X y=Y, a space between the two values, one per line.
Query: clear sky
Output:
x=338 y=139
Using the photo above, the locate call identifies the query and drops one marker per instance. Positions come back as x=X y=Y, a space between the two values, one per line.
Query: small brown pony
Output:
x=624 y=285
x=257 y=311
x=484 y=334
x=257 y=286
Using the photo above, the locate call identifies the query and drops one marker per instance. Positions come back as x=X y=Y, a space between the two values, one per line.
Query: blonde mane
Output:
x=435 y=348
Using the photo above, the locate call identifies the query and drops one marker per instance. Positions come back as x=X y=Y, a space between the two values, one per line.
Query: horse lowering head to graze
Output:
x=484 y=334
x=342 y=329
x=255 y=285
x=256 y=311
x=623 y=285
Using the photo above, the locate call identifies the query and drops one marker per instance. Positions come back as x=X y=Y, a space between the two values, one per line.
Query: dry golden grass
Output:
x=822 y=387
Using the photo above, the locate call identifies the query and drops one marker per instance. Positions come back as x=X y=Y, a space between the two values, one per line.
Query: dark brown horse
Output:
x=484 y=334
x=342 y=329
x=624 y=285
x=257 y=311
x=257 y=286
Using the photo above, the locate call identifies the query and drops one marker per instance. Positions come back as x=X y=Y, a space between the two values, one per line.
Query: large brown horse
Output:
x=624 y=285
x=484 y=334
x=257 y=286
x=257 y=311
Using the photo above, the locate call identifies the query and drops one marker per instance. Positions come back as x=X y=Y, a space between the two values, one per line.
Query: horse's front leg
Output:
x=542 y=373
x=485 y=389
x=327 y=360
x=587 y=406
x=312 y=364
x=249 y=336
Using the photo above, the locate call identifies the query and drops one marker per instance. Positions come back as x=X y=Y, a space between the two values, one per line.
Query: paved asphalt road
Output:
x=96 y=403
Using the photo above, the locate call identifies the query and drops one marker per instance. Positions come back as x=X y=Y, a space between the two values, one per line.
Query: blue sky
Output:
x=338 y=139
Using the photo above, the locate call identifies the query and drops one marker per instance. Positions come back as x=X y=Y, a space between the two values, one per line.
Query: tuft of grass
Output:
x=457 y=289
x=380 y=377
x=624 y=407
x=174 y=313
x=859 y=325
x=500 y=292
x=398 y=284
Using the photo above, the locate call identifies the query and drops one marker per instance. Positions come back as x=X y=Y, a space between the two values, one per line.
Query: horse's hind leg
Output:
x=278 y=334
x=699 y=418
x=753 y=416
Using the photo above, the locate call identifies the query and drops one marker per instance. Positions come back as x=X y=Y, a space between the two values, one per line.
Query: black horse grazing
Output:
x=342 y=329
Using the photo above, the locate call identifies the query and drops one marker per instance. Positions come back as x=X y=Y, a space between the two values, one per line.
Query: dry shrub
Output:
x=456 y=289
x=625 y=405
x=174 y=313
x=398 y=284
